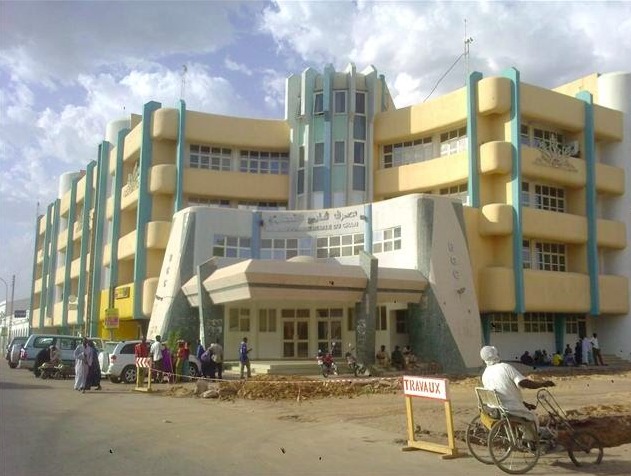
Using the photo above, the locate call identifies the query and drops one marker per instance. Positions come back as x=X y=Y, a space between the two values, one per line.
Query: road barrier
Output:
x=143 y=363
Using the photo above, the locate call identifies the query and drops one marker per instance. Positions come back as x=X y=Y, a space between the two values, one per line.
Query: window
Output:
x=43 y=342
x=358 y=157
x=538 y=322
x=261 y=162
x=239 y=320
x=359 y=128
x=262 y=206
x=67 y=343
x=318 y=157
x=339 y=157
x=453 y=142
x=359 y=177
x=329 y=325
x=387 y=240
x=340 y=102
x=208 y=202
x=543 y=197
x=461 y=192
x=401 y=322
x=285 y=248
x=339 y=245
x=546 y=138
x=360 y=103
x=300 y=185
x=267 y=320
x=350 y=321
x=410 y=152
x=502 y=322
x=318 y=103
x=232 y=246
x=548 y=256
x=382 y=318
x=211 y=158
x=572 y=323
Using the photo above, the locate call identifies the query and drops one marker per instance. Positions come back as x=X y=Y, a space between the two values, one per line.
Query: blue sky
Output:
x=67 y=68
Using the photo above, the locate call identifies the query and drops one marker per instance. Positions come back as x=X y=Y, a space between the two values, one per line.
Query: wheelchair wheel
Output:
x=585 y=449
x=477 y=438
x=512 y=458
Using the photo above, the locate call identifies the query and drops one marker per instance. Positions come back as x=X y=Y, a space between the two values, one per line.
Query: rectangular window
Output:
x=350 y=321
x=262 y=162
x=539 y=322
x=318 y=156
x=358 y=156
x=286 y=248
x=208 y=202
x=359 y=177
x=359 y=128
x=318 y=103
x=339 y=245
x=409 y=152
x=572 y=322
x=232 y=246
x=340 y=102
x=360 y=103
x=239 y=319
x=387 y=240
x=525 y=194
x=267 y=320
x=453 y=142
x=211 y=158
x=382 y=318
x=262 y=205
x=340 y=152
x=401 y=321
x=547 y=256
x=503 y=322
x=547 y=138
x=318 y=179
x=460 y=192
x=526 y=255
x=550 y=198
x=300 y=185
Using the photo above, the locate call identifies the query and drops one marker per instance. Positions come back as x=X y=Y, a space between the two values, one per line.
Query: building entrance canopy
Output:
x=254 y=280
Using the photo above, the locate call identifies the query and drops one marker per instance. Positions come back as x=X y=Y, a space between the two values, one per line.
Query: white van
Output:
x=65 y=344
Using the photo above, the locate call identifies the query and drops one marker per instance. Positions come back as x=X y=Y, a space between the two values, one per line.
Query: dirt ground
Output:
x=598 y=402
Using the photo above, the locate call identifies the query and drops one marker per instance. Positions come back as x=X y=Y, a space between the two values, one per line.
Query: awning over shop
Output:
x=305 y=281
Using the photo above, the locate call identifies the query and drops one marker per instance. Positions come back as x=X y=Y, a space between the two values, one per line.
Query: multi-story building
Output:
x=543 y=176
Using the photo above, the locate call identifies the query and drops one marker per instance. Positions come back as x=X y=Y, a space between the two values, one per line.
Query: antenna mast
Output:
x=183 y=83
x=467 y=42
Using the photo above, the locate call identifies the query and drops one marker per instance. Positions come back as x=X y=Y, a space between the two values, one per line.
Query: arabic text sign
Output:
x=434 y=388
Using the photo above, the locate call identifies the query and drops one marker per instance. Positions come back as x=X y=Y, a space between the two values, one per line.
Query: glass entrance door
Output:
x=295 y=333
x=330 y=330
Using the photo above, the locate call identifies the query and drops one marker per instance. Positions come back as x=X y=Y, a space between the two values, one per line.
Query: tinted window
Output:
x=128 y=349
x=110 y=346
x=42 y=342
x=65 y=343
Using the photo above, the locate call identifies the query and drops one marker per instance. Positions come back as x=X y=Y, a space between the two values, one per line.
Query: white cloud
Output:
x=234 y=66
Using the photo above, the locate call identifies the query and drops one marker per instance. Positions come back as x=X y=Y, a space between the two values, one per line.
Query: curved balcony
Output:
x=614 y=294
x=75 y=268
x=236 y=185
x=158 y=234
x=496 y=289
x=496 y=219
x=162 y=179
x=496 y=157
x=550 y=291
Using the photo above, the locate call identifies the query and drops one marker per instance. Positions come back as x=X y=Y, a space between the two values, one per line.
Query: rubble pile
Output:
x=268 y=387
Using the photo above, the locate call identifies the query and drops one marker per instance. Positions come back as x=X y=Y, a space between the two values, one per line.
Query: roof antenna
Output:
x=467 y=42
x=183 y=82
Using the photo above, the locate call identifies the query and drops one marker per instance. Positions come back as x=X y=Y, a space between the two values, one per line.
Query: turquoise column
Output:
x=143 y=212
x=50 y=299
x=255 y=241
x=327 y=91
x=37 y=222
x=117 y=187
x=45 y=248
x=367 y=217
x=486 y=330
x=181 y=154
x=100 y=204
x=590 y=193
x=515 y=127
x=473 y=150
x=68 y=264
x=85 y=242
x=559 y=333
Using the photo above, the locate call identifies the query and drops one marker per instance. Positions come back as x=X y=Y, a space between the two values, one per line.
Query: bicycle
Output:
x=514 y=445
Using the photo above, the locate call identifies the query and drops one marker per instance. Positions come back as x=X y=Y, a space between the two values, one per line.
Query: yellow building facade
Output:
x=543 y=174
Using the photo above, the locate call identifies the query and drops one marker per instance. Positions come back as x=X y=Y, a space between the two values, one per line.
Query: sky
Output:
x=68 y=68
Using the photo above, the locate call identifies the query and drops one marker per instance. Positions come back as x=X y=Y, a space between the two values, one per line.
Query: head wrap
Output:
x=490 y=355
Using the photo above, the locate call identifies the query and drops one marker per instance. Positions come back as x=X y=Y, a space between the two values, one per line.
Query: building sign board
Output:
x=19 y=313
x=111 y=320
x=121 y=293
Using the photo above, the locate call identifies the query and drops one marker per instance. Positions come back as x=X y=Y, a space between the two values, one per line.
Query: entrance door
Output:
x=295 y=333
x=330 y=330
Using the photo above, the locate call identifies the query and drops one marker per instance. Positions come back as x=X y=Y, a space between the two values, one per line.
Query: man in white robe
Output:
x=81 y=354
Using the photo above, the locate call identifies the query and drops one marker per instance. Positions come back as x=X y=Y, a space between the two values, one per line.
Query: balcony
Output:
x=62 y=240
x=236 y=185
x=554 y=226
x=40 y=256
x=614 y=294
x=38 y=286
x=127 y=246
x=162 y=179
x=550 y=291
x=75 y=268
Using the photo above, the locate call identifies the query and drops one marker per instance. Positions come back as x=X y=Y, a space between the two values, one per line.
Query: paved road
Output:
x=47 y=428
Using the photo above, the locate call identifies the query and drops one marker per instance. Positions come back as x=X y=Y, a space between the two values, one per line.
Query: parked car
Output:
x=122 y=362
x=65 y=344
x=13 y=351
x=104 y=356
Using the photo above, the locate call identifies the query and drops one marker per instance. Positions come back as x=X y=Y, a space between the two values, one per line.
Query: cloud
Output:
x=233 y=66
x=414 y=43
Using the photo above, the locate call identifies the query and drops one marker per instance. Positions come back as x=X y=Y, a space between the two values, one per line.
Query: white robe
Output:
x=80 y=368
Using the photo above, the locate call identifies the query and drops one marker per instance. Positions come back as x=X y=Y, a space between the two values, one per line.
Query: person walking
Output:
x=180 y=356
x=94 y=368
x=598 y=357
x=216 y=361
x=81 y=365
x=156 y=358
x=167 y=363
x=244 y=358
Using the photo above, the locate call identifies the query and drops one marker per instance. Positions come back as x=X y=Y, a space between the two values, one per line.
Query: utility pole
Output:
x=183 y=82
x=467 y=42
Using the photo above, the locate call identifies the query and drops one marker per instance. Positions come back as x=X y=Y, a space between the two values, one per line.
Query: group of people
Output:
x=211 y=358
x=586 y=352
x=87 y=368
x=399 y=359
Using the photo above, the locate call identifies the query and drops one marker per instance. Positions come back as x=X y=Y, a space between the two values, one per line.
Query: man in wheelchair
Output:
x=508 y=382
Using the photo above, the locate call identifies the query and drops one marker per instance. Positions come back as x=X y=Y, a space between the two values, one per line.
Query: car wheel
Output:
x=12 y=365
x=193 y=371
x=129 y=374
x=114 y=379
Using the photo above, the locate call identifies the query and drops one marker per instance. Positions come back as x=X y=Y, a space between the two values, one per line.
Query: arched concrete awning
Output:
x=305 y=281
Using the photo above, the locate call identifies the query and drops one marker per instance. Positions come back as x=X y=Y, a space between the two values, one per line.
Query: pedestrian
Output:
x=206 y=360
x=180 y=355
x=199 y=350
x=598 y=357
x=156 y=359
x=578 y=352
x=585 y=349
x=216 y=361
x=167 y=363
x=94 y=368
x=244 y=358
x=81 y=365
x=508 y=382
x=141 y=351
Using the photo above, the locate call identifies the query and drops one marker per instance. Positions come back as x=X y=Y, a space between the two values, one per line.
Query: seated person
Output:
x=398 y=361
x=55 y=355
x=409 y=357
x=538 y=357
x=383 y=360
x=568 y=355
x=545 y=358
x=557 y=360
x=526 y=358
